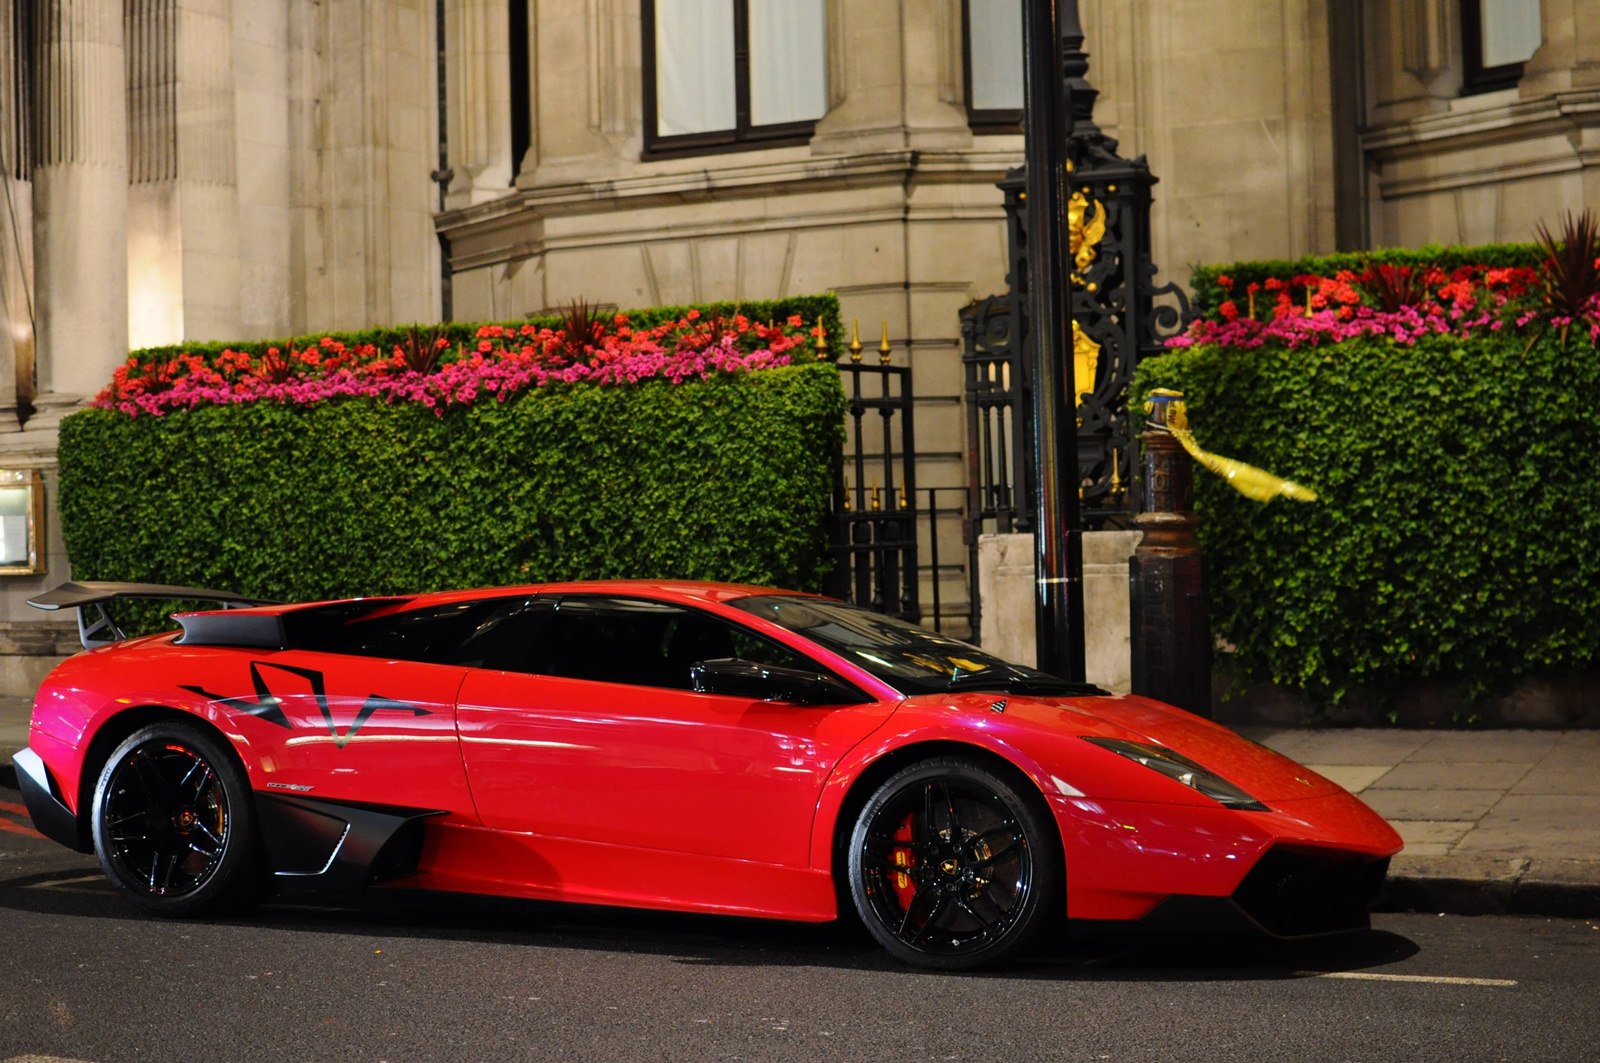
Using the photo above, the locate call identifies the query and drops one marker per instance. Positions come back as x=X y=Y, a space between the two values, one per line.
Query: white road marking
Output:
x=1438 y=979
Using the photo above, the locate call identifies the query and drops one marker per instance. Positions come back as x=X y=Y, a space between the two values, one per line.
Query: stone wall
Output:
x=1006 y=588
x=278 y=159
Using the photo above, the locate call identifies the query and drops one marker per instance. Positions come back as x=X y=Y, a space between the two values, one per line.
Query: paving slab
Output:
x=1576 y=782
x=1437 y=805
x=1521 y=747
x=1350 y=746
x=1454 y=775
x=1353 y=777
x=1420 y=832
x=1574 y=750
x=1544 y=825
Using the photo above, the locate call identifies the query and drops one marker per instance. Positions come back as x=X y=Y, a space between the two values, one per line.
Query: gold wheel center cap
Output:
x=949 y=867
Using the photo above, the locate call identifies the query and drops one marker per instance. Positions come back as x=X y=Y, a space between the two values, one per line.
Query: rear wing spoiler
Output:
x=95 y=626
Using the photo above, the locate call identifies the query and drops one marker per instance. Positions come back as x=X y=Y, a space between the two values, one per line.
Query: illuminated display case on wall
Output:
x=21 y=522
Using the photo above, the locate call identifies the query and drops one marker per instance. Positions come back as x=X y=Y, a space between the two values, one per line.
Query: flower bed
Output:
x=1403 y=296
x=426 y=368
x=1468 y=300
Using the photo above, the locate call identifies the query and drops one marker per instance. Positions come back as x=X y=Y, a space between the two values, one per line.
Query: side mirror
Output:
x=739 y=678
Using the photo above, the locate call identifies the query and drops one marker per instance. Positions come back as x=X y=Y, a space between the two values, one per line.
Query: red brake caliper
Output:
x=903 y=860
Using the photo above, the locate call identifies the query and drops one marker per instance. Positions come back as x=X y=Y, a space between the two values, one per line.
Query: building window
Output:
x=726 y=75
x=521 y=86
x=991 y=32
x=1497 y=37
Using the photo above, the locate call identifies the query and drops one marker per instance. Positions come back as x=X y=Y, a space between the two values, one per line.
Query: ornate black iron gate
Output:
x=874 y=528
x=1116 y=321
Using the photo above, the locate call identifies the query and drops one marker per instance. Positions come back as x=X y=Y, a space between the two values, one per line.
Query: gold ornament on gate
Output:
x=1084 y=232
x=1085 y=360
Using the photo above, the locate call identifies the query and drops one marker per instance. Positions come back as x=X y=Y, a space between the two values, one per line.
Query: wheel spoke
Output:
x=198 y=765
x=160 y=791
x=930 y=823
x=984 y=925
x=951 y=823
x=933 y=917
x=1015 y=841
x=905 y=920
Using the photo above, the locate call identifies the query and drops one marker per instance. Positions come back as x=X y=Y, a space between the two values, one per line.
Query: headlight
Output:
x=1177 y=766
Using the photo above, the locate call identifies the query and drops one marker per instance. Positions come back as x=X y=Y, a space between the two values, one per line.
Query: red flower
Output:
x=1228 y=310
x=1225 y=282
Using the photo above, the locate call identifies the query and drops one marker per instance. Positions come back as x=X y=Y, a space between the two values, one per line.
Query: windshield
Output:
x=909 y=658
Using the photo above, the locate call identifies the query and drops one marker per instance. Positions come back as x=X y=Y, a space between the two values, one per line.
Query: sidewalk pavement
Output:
x=13 y=727
x=1493 y=821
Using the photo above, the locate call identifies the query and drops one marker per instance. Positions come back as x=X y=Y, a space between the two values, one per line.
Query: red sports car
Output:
x=688 y=746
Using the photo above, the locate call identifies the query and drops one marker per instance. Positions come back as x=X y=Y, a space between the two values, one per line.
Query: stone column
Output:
x=16 y=217
x=80 y=197
x=183 y=201
x=480 y=100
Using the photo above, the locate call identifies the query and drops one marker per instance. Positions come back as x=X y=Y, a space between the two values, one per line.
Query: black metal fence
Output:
x=885 y=531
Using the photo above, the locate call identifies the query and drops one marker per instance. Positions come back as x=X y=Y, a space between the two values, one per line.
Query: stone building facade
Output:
x=274 y=167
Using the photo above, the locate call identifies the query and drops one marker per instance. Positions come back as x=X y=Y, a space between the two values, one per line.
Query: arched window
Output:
x=724 y=75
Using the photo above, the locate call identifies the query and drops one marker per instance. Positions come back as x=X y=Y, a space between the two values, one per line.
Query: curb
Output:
x=1486 y=896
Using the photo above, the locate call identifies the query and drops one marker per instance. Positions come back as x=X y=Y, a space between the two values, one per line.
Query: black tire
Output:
x=174 y=823
x=954 y=865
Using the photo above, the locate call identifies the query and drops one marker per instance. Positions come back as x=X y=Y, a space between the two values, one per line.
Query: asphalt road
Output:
x=84 y=978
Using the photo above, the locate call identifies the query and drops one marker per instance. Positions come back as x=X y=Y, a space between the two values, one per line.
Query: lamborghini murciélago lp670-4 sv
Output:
x=683 y=746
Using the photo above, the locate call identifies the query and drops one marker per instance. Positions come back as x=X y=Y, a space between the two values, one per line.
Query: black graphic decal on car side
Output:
x=267 y=706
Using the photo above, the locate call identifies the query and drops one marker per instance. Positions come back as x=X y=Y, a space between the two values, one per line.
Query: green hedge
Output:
x=811 y=308
x=727 y=479
x=1208 y=296
x=1460 y=512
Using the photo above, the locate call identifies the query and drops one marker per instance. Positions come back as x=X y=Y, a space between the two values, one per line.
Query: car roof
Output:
x=688 y=592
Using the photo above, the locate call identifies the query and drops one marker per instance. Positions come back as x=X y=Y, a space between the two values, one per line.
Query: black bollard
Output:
x=1166 y=579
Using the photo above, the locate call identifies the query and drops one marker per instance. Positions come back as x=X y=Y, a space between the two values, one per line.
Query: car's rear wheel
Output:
x=174 y=824
x=952 y=865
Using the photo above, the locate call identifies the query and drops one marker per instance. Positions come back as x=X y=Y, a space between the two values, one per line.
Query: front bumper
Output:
x=1305 y=867
x=42 y=795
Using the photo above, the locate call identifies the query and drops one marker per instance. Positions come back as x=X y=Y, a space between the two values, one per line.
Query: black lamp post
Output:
x=1050 y=34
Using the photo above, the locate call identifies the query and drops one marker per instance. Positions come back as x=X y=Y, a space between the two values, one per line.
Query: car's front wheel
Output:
x=174 y=825
x=952 y=865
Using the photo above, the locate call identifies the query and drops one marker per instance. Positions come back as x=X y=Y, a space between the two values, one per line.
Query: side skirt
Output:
x=336 y=849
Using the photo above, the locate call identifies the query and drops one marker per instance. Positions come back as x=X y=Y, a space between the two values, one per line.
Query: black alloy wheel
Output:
x=174 y=824
x=953 y=865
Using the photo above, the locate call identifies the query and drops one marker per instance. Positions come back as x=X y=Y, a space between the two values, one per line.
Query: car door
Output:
x=595 y=733
x=371 y=718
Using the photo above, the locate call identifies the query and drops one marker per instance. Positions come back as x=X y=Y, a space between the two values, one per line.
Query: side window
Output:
x=635 y=641
x=460 y=633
